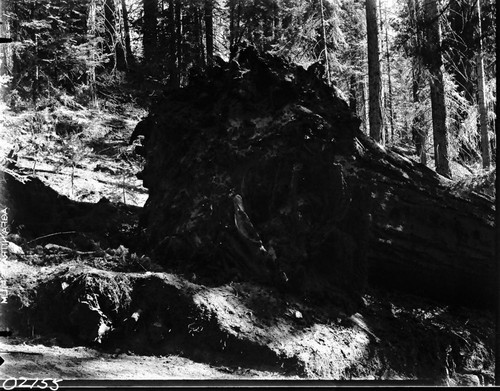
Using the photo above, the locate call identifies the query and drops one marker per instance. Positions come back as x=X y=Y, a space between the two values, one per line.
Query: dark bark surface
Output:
x=433 y=59
x=209 y=30
x=331 y=207
x=374 y=73
x=150 y=38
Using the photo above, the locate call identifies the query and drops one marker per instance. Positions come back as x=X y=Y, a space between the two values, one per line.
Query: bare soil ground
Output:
x=27 y=358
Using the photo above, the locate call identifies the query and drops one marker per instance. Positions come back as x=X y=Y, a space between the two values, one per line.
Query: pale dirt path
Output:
x=41 y=361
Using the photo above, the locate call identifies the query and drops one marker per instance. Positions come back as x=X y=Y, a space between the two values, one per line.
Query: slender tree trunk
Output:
x=483 y=117
x=92 y=32
x=389 y=80
x=209 y=31
x=149 y=29
x=325 y=46
x=199 y=38
x=374 y=77
x=128 y=48
x=418 y=131
x=109 y=30
x=235 y=30
x=172 y=57
x=3 y=34
x=435 y=64
x=178 y=38
x=113 y=38
x=383 y=96
x=34 y=90
x=364 y=113
x=14 y=24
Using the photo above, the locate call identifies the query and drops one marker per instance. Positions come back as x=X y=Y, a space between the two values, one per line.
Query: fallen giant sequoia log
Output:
x=259 y=171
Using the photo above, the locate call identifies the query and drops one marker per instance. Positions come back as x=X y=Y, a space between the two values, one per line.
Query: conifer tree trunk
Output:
x=199 y=15
x=114 y=45
x=150 y=30
x=483 y=117
x=435 y=64
x=92 y=32
x=364 y=111
x=172 y=56
x=4 y=33
x=109 y=27
x=14 y=25
x=389 y=80
x=374 y=77
x=383 y=96
x=418 y=131
x=209 y=31
x=178 y=38
x=234 y=25
x=126 y=27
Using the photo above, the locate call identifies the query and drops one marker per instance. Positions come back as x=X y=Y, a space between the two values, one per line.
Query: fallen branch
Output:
x=54 y=234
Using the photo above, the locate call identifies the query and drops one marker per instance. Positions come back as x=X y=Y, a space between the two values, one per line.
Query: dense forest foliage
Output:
x=426 y=69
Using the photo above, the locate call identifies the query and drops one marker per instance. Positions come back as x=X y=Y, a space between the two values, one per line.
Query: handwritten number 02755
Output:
x=23 y=382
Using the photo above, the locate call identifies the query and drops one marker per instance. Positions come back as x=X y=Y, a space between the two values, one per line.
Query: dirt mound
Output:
x=247 y=325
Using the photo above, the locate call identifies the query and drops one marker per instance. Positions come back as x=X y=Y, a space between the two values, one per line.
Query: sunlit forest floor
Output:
x=85 y=155
x=81 y=153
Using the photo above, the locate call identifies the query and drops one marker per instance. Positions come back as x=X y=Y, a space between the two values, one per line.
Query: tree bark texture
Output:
x=374 y=75
x=126 y=28
x=178 y=38
x=331 y=206
x=114 y=37
x=174 y=80
x=389 y=80
x=149 y=30
x=418 y=130
x=3 y=34
x=435 y=64
x=209 y=31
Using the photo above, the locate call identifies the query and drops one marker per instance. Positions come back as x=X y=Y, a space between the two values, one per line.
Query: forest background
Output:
x=82 y=52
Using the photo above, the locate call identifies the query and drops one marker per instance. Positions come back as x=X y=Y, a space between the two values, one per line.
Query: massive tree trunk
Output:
x=434 y=62
x=326 y=207
x=374 y=76
x=483 y=117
